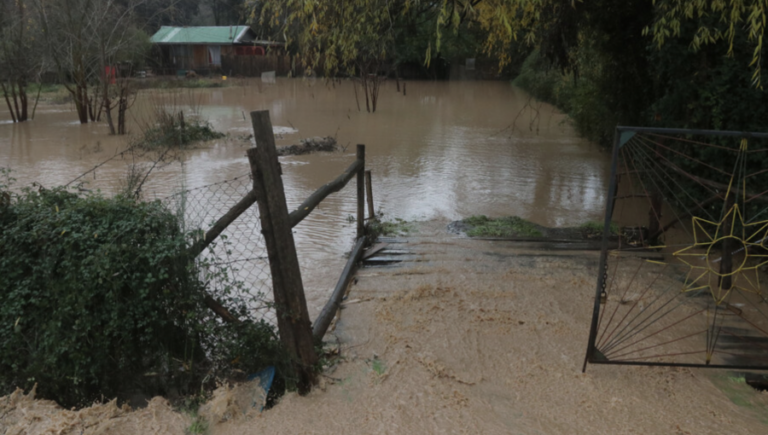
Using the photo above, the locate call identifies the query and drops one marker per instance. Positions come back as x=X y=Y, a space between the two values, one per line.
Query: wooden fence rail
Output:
x=323 y=321
x=297 y=333
x=320 y=194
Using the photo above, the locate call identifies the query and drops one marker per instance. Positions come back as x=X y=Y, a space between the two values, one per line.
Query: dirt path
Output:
x=489 y=337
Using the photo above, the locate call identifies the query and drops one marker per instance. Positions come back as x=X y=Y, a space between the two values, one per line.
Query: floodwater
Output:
x=446 y=150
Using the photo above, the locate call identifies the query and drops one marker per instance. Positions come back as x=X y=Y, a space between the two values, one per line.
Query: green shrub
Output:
x=174 y=131
x=582 y=98
x=100 y=298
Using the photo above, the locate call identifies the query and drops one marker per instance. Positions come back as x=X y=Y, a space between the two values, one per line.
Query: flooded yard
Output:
x=446 y=150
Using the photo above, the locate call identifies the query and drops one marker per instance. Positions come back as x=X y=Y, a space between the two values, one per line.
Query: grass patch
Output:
x=511 y=226
x=740 y=394
x=49 y=93
x=398 y=227
x=378 y=366
x=594 y=227
x=45 y=88
x=181 y=83
x=199 y=426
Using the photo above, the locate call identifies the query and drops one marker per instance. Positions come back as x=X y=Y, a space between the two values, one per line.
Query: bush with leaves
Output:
x=100 y=299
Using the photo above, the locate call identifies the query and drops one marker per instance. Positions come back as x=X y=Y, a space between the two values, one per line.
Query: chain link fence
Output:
x=236 y=265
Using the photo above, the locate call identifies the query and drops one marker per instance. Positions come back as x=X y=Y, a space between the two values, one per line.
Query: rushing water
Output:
x=445 y=150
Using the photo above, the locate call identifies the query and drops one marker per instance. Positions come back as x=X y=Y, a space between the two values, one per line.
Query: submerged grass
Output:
x=594 y=227
x=49 y=93
x=511 y=226
x=377 y=227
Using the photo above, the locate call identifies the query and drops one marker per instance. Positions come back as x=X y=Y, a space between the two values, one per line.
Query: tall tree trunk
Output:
x=122 y=107
x=8 y=101
x=81 y=103
x=15 y=101
x=24 y=100
x=108 y=107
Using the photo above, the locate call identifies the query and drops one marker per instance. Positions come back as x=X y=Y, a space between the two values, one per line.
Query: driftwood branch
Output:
x=320 y=194
x=323 y=321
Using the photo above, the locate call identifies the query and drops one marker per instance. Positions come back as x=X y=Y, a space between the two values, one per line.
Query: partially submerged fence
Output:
x=238 y=237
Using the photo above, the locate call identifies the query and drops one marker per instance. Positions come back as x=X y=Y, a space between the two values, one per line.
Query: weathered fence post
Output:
x=290 y=303
x=361 y=192
x=369 y=194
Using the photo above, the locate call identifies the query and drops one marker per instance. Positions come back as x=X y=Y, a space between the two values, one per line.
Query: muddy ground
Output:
x=473 y=336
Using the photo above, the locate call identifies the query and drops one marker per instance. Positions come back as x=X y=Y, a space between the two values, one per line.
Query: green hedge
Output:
x=99 y=298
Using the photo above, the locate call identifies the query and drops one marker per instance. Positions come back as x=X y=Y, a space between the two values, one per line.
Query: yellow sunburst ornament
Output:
x=742 y=237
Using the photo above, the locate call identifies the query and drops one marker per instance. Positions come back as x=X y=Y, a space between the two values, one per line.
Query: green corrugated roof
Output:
x=198 y=35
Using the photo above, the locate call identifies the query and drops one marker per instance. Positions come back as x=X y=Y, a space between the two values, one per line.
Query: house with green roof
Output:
x=201 y=48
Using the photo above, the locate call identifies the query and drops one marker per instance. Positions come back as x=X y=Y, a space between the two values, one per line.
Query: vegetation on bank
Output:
x=101 y=299
x=378 y=227
x=594 y=228
x=180 y=83
x=510 y=226
x=394 y=227
x=600 y=67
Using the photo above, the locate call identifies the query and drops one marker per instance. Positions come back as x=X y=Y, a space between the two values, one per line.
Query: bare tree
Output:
x=85 y=40
x=19 y=56
x=121 y=45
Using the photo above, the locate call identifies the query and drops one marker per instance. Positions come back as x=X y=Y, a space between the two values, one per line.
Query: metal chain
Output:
x=603 y=293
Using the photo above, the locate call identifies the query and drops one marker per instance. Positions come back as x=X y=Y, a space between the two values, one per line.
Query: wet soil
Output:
x=489 y=337
x=478 y=336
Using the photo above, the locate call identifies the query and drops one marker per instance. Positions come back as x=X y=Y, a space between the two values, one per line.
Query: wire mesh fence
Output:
x=236 y=265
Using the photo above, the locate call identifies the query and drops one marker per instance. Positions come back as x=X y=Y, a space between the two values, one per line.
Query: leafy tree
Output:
x=358 y=37
x=716 y=21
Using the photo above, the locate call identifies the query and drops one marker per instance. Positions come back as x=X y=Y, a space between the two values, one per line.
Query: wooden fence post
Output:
x=361 y=193
x=290 y=303
x=369 y=194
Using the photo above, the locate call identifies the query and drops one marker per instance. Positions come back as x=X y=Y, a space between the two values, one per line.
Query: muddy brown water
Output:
x=446 y=150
